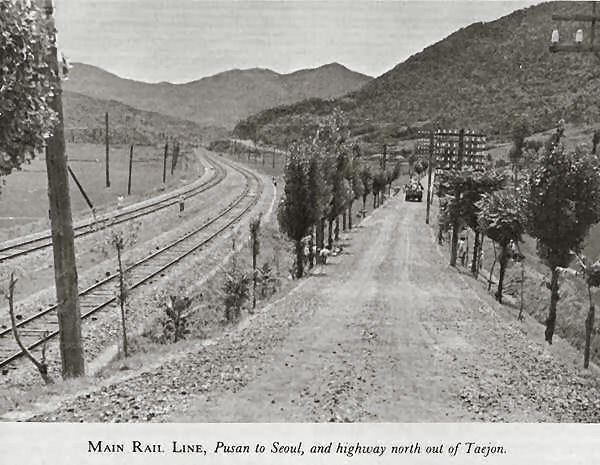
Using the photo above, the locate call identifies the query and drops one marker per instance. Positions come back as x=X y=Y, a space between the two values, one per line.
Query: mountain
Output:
x=219 y=100
x=483 y=76
x=84 y=122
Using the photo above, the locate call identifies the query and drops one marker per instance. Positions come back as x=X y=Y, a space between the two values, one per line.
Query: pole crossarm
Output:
x=576 y=18
x=555 y=48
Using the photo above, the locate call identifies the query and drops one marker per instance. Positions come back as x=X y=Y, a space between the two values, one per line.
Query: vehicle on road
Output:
x=413 y=192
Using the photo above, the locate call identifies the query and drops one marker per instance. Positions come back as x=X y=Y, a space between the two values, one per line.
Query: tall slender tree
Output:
x=366 y=178
x=519 y=131
x=562 y=203
x=294 y=212
x=357 y=188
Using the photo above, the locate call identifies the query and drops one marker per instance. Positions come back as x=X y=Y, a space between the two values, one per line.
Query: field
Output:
x=24 y=199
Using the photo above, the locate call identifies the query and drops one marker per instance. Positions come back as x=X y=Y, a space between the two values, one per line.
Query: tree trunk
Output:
x=364 y=207
x=350 y=215
x=503 y=263
x=330 y=234
x=375 y=195
x=321 y=234
x=299 y=259
x=551 y=320
x=337 y=227
x=311 y=256
x=344 y=220
x=253 y=272
x=521 y=304
x=454 y=245
x=475 y=261
x=492 y=267
x=589 y=331
x=42 y=366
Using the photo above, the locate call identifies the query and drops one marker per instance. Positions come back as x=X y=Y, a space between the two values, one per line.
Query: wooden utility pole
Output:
x=174 y=157
x=106 y=142
x=130 y=166
x=579 y=45
x=429 y=169
x=461 y=148
x=65 y=269
x=165 y=162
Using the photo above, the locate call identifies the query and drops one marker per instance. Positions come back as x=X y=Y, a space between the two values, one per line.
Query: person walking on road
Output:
x=463 y=250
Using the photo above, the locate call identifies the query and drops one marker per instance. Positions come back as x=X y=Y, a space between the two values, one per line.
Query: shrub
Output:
x=236 y=289
x=174 y=322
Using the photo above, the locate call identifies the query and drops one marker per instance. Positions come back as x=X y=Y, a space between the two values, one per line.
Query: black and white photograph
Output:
x=299 y=212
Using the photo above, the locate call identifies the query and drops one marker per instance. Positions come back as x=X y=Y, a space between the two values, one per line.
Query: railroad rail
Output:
x=9 y=251
x=36 y=329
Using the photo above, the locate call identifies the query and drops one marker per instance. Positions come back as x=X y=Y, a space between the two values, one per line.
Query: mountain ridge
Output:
x=483 y=76
x=221 y=99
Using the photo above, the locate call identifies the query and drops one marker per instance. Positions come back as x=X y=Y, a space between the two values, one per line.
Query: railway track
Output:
x=9 y=251
x=38 y=328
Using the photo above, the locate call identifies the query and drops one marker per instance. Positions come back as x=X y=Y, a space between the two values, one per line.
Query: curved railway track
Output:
x=32 y=244
x=36 y=329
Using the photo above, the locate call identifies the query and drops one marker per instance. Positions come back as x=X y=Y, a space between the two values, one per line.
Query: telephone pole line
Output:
x=165 y=161
x=579 y=46
x=429 y=170
x=130 y=166
x=107 y=151
x=65 y=269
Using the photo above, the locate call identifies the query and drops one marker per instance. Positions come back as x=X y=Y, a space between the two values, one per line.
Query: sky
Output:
x=184 y=40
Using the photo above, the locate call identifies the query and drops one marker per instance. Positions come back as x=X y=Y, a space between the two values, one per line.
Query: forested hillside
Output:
x=483 y=76
x=84 y=122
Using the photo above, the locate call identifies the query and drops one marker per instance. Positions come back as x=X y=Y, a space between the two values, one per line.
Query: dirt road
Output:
x=389 y=333
x=386 y=331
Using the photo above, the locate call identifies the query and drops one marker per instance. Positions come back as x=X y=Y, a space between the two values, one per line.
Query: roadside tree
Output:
x=366 y=178
x=562 y=203
x=591 y=275
x=294 y=212
x=119 y=238
x=502 y=218
x=519 y=131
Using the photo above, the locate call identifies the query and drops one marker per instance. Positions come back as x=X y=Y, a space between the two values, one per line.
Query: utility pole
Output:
x=174 y=156
x=429 y=169
x=107 y=150
x=461 y=148
x=63 y=247
x=165 y=162
x=579 y=46
x=130 y=166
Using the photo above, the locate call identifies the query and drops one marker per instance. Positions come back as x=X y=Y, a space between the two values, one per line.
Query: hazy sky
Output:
x=184 y=40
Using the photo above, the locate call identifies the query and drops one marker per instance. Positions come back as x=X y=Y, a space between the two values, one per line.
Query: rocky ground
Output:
x=386 y=331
